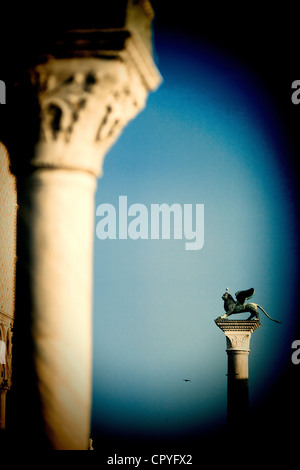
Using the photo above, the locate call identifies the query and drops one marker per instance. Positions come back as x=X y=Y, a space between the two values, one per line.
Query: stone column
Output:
x=83 y=95
x=8 y=215
x=238 y=334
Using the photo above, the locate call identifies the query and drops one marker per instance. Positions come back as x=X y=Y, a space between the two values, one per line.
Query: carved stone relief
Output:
x=84 y=105
x=238 y=341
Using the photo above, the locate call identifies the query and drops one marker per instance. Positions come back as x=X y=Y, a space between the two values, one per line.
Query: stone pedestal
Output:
x=238 y=334
x=78 y=99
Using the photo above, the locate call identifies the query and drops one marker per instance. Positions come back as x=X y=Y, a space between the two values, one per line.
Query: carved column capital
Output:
x=72 y=102
x=84 y=105
x=238 y=333
x=238 y=341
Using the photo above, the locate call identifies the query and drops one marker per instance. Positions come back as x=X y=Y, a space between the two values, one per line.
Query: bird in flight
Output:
x=186 y=380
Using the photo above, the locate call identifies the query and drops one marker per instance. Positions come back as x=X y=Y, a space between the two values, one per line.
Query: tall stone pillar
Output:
x=92 y=83
x=238 y=334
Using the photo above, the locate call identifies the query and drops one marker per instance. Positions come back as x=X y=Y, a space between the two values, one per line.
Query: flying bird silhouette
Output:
x=186 y=380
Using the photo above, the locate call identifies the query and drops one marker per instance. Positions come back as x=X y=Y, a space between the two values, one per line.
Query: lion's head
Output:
x=227 y=296
x=228 y=300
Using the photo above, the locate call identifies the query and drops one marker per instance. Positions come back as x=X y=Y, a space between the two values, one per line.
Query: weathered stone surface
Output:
x=71 y=104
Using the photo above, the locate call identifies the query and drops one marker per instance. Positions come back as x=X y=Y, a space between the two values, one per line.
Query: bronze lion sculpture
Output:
x=239 y=306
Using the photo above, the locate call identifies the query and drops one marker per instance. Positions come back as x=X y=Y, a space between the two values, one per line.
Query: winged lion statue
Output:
x=232 y=306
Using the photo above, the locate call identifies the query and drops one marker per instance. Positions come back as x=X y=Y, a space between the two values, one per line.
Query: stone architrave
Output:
x=90 y=86
x=238 y=334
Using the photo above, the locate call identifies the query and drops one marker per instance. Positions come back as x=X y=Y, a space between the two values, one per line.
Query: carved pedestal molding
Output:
x=85 y=96
x=238 y=334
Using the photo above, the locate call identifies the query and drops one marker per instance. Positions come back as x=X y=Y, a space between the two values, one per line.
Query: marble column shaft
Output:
x=83 y=102
x=238 y=334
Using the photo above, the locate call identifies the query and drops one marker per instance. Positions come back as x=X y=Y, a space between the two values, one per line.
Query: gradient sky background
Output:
x=209 y=135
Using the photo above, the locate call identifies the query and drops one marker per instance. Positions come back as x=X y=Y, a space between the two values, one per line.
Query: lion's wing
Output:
x=243 y=295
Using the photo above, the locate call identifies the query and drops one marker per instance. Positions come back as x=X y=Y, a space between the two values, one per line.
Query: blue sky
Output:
x=209 y=135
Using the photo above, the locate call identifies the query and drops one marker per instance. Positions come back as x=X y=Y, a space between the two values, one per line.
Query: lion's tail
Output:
x=268 y=315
